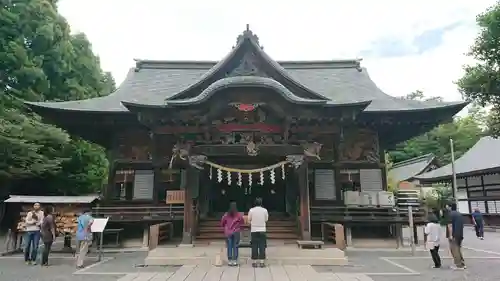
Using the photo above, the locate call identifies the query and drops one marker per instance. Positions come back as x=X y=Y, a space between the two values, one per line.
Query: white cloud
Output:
x=121 y=30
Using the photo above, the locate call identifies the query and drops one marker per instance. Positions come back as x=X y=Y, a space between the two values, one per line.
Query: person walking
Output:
x=48 y=232
x=257 y=217
x=84 y=236
x=33 y=222
x=232 y=222
x=432 y=239
x=456 y=237
x=478 y=221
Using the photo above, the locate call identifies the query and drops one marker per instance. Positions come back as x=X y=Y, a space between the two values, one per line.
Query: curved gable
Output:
x=247 y=58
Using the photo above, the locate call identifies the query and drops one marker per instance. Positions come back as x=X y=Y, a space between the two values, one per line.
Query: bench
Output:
x=303 y=244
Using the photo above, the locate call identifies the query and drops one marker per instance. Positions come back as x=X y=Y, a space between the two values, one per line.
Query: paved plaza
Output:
x=482 y=257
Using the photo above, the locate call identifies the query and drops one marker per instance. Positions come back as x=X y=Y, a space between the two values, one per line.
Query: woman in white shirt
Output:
x=432 y=238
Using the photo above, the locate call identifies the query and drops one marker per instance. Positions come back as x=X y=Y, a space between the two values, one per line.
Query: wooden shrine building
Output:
x=295 y=133
x=478 y=179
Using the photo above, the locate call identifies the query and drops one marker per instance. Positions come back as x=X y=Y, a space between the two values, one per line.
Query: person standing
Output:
x=478 y=221
x=257 y=217
x=84 y=236
x=33 y=222
x=232 y=222
x=456 y=237
x=48 y=231
x=432 y=239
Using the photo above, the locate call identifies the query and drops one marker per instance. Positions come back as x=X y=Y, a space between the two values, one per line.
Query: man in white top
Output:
x=33 y=222
x=432 y=239
x=257 y=217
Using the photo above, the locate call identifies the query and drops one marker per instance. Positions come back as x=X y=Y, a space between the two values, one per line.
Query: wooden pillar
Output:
x=190 y=176
x=305 y=218
x=155 y=159
x=384 y=169
x=109 y=189
x=111 y=154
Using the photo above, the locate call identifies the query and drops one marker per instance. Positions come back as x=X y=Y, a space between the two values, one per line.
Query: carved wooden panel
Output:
x=164 y=146
x=359 y=144
x=327 y=152
x=248 y=65
x=134 y=145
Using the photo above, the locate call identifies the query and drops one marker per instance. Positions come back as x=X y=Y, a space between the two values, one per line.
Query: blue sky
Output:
x=406 y=45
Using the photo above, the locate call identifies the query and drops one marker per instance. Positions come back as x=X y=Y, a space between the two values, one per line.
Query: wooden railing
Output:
x=334 y=232
x=368 y=214
x=159 y=233
x=140 y=213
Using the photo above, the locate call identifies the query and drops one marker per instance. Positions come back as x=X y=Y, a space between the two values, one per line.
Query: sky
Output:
x=405 y=45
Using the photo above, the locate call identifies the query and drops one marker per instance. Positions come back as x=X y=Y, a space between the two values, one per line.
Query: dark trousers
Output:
x=46 y=252
x=435 y=256
x=259 y=244
x=233 y=242
x=479 y=229
x=31 y=245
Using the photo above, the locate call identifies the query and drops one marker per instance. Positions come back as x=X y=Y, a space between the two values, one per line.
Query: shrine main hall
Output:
x=185 y=138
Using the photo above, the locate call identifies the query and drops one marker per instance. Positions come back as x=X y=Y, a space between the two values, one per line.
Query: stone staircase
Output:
x=280 y=230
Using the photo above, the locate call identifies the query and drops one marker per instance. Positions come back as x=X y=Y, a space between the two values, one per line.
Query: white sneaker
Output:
x=454 y=267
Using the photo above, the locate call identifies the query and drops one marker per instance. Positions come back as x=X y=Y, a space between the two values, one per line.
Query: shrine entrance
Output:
x=222 y=193
x=243 y=184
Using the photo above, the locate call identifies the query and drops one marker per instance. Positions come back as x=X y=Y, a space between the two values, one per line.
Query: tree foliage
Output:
x=481 y=81
x=42 y=61
x=465 y=132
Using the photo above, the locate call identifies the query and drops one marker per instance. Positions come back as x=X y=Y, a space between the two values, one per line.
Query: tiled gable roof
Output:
x=484 y=156
x=408 y=169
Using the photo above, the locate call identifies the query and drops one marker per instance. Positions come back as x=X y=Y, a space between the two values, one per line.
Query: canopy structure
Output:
x=408 y=169
x=88 y=199
x=482 y=158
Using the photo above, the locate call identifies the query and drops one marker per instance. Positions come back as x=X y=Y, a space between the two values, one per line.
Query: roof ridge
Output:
x=287 y=64
x=413 y=160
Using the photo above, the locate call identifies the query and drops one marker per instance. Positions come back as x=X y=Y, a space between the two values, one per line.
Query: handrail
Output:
x=334 y=232
x=140 y=212
x=159 y=232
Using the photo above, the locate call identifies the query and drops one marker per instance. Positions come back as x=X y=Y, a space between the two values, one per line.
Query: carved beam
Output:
x=197 y=161
x=295 y=160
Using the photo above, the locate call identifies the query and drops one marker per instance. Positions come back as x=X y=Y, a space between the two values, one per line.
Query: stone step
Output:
x=275 y=229
x=269 y=223
x=270 y=235
x=206 y=255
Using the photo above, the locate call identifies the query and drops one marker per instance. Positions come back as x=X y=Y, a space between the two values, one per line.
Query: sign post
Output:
x=98 y=226
x=410 y=223
x=453 y=172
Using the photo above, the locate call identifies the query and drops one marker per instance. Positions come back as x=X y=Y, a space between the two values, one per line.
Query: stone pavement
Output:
x=245 y=273
x=482 y=258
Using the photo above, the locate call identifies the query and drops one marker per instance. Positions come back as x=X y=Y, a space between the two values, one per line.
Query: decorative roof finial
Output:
x=248 y=34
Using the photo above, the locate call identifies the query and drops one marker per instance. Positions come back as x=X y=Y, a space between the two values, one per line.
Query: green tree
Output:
x=29 y=147
x=481 y=81
x=42 y=61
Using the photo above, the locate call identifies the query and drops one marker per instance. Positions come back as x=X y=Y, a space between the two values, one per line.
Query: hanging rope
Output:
x=244 y=171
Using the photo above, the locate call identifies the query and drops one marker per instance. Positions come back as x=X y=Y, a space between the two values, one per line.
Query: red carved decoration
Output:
x=249 y=127
x=246 y=107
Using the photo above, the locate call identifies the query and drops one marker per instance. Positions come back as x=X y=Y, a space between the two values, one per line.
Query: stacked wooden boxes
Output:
x=65 y=218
